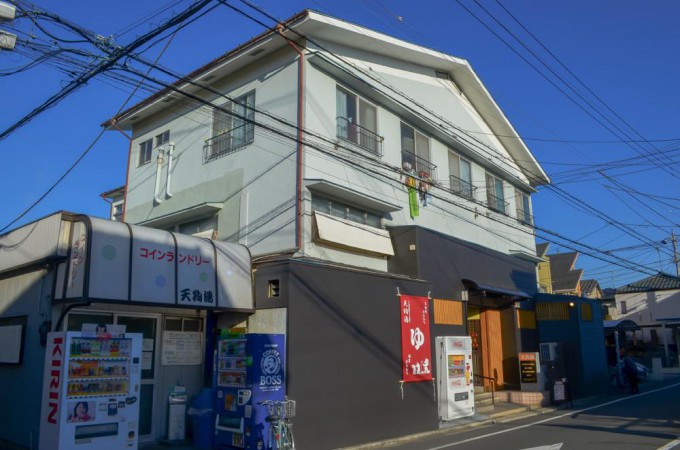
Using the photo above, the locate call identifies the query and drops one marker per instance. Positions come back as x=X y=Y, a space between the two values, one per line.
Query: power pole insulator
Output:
x=7 y=12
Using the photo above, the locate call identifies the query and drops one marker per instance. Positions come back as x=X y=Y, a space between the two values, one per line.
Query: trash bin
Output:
x=202 y=414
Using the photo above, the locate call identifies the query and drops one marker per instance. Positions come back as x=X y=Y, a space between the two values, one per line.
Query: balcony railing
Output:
x=362 y=137
x=497 y=203
x=524 y=216
x=228 y=142
x=419 y=166
x=462 y=187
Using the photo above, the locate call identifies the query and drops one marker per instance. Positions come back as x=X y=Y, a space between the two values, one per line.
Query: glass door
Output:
x=147 y=326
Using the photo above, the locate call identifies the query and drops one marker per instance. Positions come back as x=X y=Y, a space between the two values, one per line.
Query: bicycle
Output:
x=280 y=415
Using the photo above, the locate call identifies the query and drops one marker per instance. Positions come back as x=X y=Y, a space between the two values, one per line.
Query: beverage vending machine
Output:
x=90 y=397
x=454 y=375
x=249 y=368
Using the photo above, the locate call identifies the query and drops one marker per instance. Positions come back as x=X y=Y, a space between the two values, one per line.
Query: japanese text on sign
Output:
x=160 y=255
x=415 y=339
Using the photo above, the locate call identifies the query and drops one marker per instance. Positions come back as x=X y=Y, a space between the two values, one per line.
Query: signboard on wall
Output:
x=181 y=348
x=528 y=369
x=415 y=338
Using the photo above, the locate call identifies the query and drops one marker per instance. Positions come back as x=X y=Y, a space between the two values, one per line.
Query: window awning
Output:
x=350 y=196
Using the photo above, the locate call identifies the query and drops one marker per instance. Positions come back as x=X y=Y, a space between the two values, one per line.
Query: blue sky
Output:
x=624 y=52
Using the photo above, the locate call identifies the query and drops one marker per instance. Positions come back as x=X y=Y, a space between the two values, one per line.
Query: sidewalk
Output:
x=503 y=413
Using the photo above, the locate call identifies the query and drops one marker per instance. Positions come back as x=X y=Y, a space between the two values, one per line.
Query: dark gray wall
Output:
x=445 y=261
x=24 y=295
x=344 y=359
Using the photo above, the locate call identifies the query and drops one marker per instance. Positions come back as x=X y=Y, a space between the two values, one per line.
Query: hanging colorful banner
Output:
x=415 y=338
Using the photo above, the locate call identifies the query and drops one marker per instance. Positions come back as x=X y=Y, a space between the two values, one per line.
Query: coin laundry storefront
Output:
x=67 y=270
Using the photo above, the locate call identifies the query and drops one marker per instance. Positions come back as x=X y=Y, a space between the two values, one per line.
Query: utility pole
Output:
x=675 y=253
x=7 y=13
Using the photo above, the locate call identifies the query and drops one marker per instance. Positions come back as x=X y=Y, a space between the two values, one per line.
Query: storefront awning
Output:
x=116 y=262
x=620 y=325
x=500 y=291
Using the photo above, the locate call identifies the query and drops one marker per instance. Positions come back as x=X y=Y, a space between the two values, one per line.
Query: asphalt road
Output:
x=650 y=420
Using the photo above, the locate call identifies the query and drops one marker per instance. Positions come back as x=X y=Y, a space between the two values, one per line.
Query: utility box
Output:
x=177 y=408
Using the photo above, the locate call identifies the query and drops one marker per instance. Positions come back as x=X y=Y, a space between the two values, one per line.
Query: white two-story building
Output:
x=356 y=167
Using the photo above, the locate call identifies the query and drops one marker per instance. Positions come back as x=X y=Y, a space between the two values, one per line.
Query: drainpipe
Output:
x=171 y=148
x=159 y=165
x=300 y=136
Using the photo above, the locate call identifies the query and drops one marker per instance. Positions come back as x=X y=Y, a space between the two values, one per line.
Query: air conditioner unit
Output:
x=548 y=351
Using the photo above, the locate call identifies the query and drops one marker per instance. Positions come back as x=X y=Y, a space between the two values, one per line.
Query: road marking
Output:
x=550 y=419
x=670 y=445
x=549 y=447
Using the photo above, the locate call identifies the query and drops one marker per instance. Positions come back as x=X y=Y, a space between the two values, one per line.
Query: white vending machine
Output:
x=454 y=375
x=91 y=387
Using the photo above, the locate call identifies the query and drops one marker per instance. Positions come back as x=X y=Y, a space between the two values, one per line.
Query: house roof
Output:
x=588 y=286
x=308 y=25
x=658 y=282
x=542 y=249
x=564 y=277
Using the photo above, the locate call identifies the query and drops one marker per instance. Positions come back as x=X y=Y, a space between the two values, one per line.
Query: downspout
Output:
x=171 y=148
x=300 y=136
x=127 y=170
x=159 y=167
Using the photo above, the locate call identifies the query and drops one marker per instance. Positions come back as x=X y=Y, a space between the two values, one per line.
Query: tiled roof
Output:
x=564 y=278
x=542 y=249
x=658 y=282
x=588 y=286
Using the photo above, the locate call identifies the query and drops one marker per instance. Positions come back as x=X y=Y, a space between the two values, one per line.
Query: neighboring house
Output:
x=116 y=199
x=590 y=289
x=337 y=155
x=653 y=303
x=608 y=301
x=543 y=269
x=565 y=279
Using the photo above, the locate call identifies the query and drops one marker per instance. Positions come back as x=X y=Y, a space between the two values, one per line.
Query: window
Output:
x=232 y=127
x=186 y=324
x=357 y=121
x=415 y=151
x=495 y=197
x=523 y=207
x=624 y=307
x=145 y=149
x=552 y=311
x=117 y=212
x=163 y=138
x=586 y=312
x=345 y=211
x=13 y=337
x=460 y=175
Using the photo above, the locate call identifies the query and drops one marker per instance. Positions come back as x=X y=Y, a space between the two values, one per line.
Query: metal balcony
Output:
x=419 y=166
x=362 y=137
x=497 y=203
x=524 y=217
x=461 y=187
x=228 y=142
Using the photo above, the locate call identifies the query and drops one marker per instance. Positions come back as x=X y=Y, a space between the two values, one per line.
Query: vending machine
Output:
x=454 y=375
x=249 y=368
x=90 y=397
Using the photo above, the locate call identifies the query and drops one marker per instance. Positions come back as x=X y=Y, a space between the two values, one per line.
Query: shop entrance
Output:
x=494 y=348
x=147 y=325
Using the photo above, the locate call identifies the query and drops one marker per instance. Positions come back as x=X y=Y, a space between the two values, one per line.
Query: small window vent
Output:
x=442 y=75
x=256 y=52
x=273 y=288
